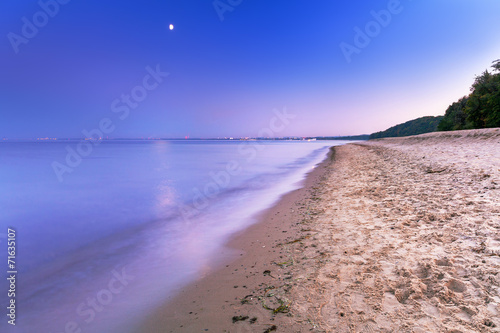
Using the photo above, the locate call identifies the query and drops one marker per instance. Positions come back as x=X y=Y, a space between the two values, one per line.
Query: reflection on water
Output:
x=109 y=244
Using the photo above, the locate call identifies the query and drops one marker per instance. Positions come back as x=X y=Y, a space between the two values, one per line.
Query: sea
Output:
x=105 y=236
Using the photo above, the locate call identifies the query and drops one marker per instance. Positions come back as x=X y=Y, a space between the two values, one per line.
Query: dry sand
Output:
x=391 y=235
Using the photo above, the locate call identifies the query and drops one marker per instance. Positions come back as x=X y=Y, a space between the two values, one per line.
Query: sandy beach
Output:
x=390 y=235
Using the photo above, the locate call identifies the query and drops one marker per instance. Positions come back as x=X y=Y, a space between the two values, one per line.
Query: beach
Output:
x=150 y=216
x=389 y=235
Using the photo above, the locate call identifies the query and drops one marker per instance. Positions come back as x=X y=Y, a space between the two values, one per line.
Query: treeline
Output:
x=412 y=127
x=481 y=109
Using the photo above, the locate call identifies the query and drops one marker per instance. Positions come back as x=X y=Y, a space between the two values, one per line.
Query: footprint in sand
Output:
x=369 y=326
x=402 y=295
x=456 y=285
x=443 y=262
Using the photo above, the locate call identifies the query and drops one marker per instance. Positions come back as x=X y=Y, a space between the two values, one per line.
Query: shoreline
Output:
x=210 y=303
x=388 y=235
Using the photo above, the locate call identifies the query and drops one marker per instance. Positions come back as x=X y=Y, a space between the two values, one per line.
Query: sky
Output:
x=229 y=67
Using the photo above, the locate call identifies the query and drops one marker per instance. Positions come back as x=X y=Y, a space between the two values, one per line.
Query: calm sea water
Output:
x=131 y=223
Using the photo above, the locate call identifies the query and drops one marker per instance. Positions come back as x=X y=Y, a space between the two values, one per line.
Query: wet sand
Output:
x=390 y=235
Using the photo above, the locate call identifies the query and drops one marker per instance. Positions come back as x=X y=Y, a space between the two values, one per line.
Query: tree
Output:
x=483 y=105
x=455 y=117
x=496 y=65
x=412 y=127
x=481 y=108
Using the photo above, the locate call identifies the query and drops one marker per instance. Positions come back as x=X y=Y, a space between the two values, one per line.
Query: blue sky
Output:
x=227 y=76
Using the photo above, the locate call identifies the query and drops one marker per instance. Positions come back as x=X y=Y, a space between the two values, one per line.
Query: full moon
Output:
x=171 y=27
